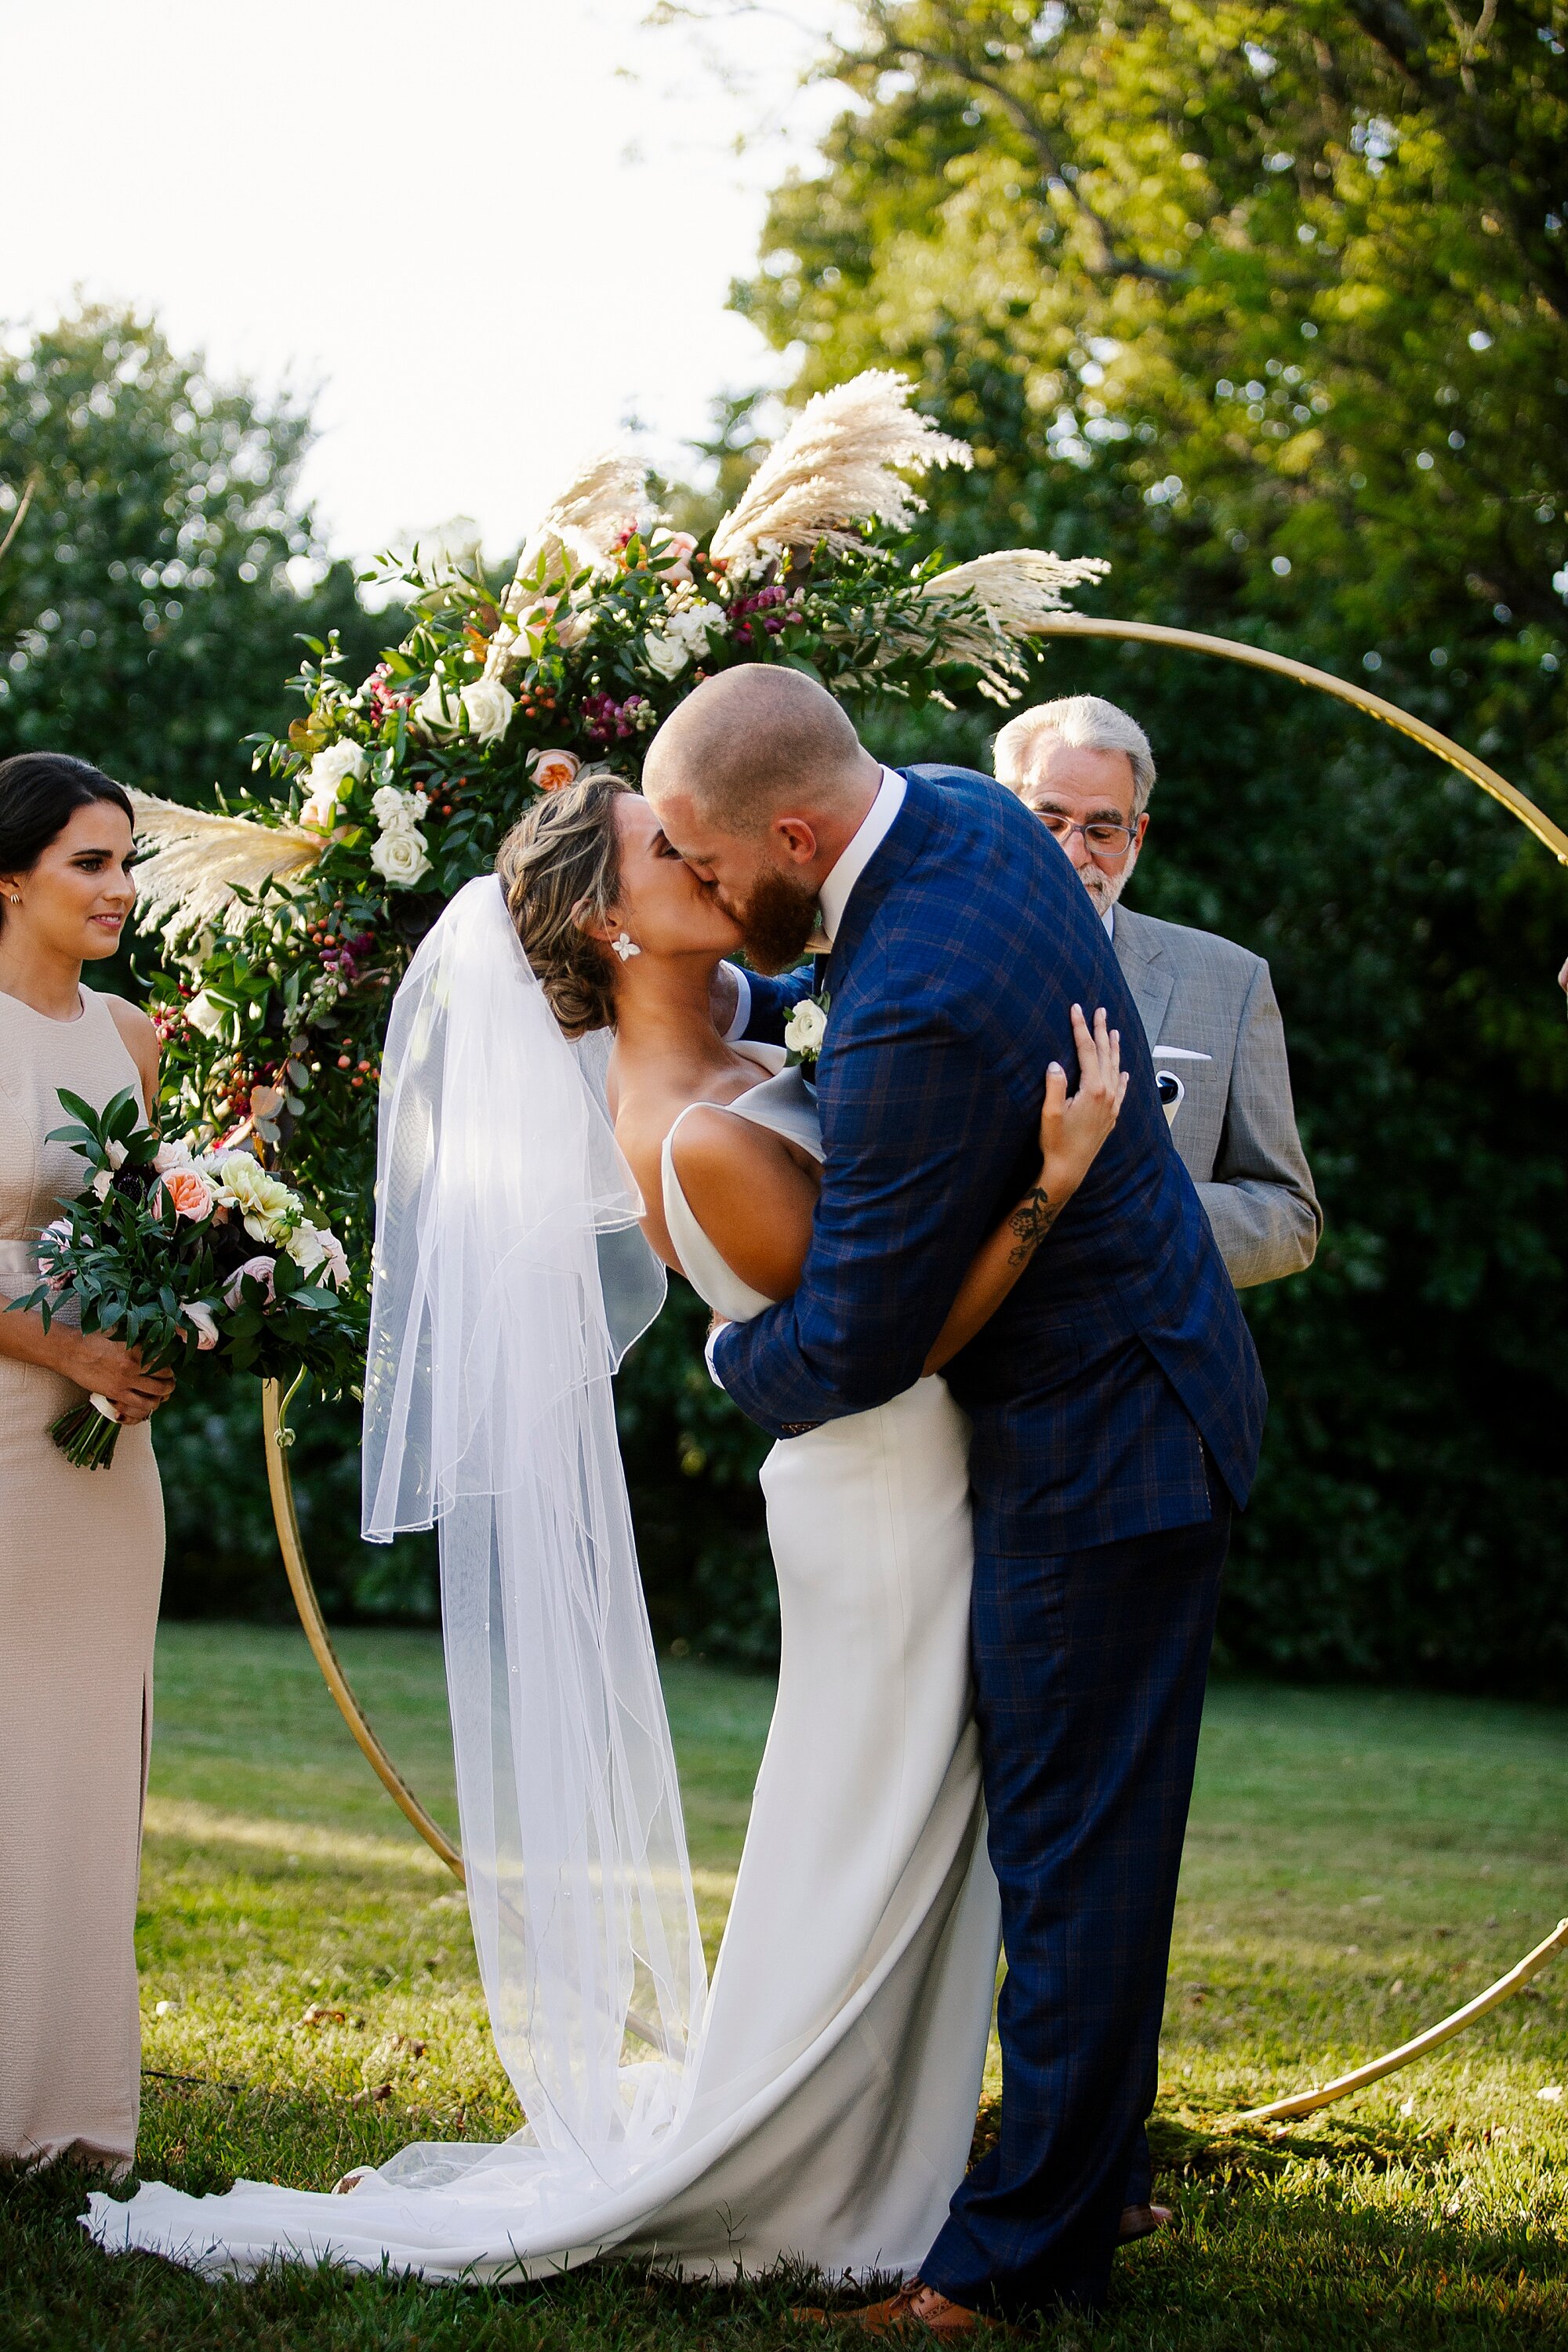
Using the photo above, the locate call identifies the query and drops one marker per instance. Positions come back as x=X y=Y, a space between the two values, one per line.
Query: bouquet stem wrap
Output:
x=88 y=1434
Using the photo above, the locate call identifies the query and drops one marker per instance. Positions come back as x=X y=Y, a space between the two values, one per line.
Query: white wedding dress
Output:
x=838 y=2061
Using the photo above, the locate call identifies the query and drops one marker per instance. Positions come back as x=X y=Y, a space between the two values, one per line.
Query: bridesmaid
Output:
x=81 y=1551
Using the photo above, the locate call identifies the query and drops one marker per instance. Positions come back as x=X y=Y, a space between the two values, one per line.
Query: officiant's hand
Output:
x=1073 y=1127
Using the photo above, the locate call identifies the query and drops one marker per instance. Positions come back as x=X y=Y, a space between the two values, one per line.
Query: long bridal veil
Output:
x=509 y=1278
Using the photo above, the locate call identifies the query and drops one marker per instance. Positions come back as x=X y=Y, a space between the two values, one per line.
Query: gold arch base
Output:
x=279 y=1436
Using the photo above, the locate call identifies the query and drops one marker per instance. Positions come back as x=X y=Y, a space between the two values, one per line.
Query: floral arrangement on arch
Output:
x=290 y=926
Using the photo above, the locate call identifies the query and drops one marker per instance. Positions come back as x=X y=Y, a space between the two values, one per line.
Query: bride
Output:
x=816 y=2101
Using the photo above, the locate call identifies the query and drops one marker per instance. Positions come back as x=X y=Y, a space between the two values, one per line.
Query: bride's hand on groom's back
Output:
x=1073 y=1127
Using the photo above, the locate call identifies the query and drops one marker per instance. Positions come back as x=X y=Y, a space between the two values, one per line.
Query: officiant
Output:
x=1086 y=769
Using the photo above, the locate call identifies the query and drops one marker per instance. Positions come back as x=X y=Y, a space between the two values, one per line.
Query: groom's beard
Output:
x=776 y=920
x=1104 y=888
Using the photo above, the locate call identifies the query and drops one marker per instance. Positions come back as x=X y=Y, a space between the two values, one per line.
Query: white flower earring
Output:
x=625 y=946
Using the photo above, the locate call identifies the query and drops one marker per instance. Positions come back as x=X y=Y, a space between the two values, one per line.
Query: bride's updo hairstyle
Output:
x=559 y=866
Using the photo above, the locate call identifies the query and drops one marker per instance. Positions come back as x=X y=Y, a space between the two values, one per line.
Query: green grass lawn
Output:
x=1358 y=1865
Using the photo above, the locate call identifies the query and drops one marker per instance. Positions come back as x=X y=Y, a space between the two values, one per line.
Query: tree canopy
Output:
x=153 y=591
x=1266 y=304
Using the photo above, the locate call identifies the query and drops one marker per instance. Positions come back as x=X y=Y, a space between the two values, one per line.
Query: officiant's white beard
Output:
x=1105 y=888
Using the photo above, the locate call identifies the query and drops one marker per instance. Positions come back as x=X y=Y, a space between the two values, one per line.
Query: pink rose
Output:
x=682 y=546
x=53 y=1237
x=258 y=1269
x=552 y=770
x=190 y=1192
x=202 y=1318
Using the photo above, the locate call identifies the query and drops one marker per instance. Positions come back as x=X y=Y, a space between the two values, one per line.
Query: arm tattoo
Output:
x=1030 y=1222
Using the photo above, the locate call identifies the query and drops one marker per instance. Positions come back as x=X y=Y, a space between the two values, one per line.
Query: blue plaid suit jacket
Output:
x=1122 y=1351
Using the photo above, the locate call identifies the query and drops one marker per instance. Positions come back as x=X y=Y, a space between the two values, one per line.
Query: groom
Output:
x=1116 y=1400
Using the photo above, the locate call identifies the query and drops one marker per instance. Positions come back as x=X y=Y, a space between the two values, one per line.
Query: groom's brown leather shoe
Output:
x=915 y=2309
x=1142 y=2221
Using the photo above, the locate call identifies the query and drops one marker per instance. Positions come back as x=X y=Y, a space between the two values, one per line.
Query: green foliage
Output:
x=1266 y=305
x=1357 y=1867
x=1302 y=269
x=402 y=790
x=133 y=1264
x=147 y=616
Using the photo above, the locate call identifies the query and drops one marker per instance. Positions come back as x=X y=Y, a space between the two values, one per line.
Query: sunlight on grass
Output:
x=1359 y=1863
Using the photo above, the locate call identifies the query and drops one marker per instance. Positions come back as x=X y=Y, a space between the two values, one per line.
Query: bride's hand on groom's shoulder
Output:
x=1073 y=1127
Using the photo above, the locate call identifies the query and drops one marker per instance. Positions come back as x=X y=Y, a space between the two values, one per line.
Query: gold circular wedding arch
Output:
x=279 y=1436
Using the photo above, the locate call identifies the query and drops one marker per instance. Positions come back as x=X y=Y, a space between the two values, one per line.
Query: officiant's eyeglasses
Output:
x=1104 y=840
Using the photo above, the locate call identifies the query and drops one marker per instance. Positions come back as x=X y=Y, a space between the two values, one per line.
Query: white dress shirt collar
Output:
x=1108 y=920
x=836 y=886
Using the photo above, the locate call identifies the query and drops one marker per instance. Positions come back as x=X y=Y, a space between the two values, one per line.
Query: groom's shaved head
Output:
x=752 y=743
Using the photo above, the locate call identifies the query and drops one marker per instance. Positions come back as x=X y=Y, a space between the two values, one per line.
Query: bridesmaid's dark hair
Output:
x=39 y=793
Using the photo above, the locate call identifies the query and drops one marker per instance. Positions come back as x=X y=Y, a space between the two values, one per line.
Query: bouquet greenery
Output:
x=180 y=1254
x=290 y=925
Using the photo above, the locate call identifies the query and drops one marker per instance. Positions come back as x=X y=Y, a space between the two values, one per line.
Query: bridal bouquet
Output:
x=183 y=1255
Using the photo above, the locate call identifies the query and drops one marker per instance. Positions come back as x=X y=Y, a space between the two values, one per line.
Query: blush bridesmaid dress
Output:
x=81 y=1562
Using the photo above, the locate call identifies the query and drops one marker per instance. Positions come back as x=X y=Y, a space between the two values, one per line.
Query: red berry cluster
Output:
x=363 y=1072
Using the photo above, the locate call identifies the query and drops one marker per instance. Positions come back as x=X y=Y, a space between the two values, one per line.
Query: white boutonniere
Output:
x=805 y=1031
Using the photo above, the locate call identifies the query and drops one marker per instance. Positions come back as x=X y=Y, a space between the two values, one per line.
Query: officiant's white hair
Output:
x=1086 y=722
x=747 y=745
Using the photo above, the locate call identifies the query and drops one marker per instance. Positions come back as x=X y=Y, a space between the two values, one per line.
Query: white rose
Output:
x=488 y=707
x=401 y=857
x=806 y=1028
x=311 y=1246
x=666 y=655
x=339 y=764
x=396 y=812
x=325 y=780
x=204 y=1014
x=438 y=710
x=102 y=1183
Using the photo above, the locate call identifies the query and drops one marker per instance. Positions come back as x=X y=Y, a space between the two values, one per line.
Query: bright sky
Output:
x=483 y=236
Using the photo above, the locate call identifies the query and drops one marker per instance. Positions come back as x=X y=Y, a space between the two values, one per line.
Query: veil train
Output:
x=510 y=1279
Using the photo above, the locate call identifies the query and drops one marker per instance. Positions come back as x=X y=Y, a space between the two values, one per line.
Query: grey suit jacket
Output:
x=1236 y=1128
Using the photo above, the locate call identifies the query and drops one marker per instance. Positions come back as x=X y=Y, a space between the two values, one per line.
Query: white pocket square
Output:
x=1173 y=1093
